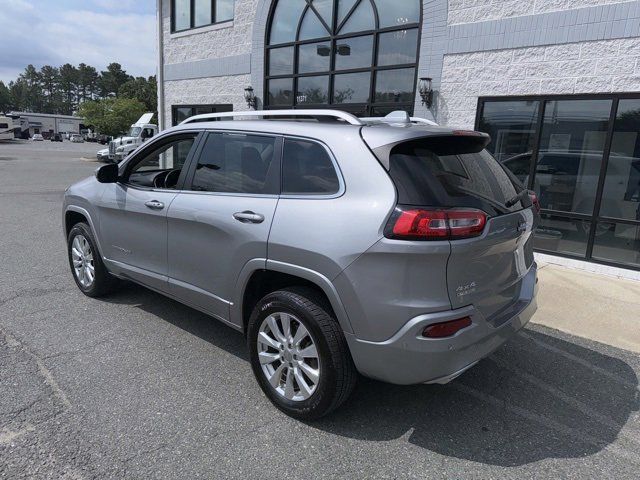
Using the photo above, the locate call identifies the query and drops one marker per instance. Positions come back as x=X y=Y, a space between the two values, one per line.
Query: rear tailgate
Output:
x=448 y=173
x=488 y=271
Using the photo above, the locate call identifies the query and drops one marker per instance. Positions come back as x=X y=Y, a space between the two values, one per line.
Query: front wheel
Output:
x=299 y=354
x=89 y=272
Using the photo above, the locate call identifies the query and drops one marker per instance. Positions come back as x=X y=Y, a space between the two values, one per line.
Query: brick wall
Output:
x=470 y=11
x=584 y=67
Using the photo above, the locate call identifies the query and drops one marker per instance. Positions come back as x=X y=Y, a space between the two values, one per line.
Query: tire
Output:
x=103 y=282
x=337 y=374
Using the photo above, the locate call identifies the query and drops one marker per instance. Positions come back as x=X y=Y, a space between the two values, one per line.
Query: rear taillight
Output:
x=534 y=201
x=435 y=224
x=446 y=329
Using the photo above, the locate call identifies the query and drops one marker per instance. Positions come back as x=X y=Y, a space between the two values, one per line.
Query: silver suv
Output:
x=389 y=247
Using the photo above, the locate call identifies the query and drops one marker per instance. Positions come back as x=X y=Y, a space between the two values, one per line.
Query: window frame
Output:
x=333 y=38
x=192 y=16
x=158 y=141
x=595 y=217
x=277 y=158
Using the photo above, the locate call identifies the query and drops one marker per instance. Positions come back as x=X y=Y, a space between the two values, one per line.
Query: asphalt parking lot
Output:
x=138 y=386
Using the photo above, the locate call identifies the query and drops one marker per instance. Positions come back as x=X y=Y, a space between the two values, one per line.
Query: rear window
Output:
x=436 y=174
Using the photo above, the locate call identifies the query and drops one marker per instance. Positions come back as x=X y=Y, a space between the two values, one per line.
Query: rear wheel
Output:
x=299 y=354
x=89 y=272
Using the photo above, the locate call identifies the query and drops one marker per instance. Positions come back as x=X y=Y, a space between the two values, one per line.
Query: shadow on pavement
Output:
x=537 y=397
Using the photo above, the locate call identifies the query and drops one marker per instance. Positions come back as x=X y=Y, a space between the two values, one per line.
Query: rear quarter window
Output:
x=428 y=173
x=307 y=169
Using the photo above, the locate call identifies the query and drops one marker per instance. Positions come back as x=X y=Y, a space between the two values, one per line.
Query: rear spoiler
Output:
x=456 y=142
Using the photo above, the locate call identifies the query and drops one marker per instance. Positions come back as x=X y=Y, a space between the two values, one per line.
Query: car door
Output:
x=133 y=211
x=221 y=219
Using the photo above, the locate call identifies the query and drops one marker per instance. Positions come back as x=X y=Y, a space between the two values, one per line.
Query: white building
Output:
x=45 y=123
x=556 y=83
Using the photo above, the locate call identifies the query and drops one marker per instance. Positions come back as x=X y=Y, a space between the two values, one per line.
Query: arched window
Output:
x=356 y=55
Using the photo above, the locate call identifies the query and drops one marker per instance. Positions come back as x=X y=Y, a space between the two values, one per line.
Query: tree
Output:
x=87 y=86
x=142 y=89
x=31 y=87
x=6 y=100
x=111 y=116
x=112 y=79
x=68 y=82
x=50 y=78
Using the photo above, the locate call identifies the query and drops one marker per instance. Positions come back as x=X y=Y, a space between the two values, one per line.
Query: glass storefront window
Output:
x=589 y=210
x=617 y=242
x=354 y=52
x=395 y=85
x=572 y=144
x=352 y=88
x=313 y=90
x=621 y=195
x=281 y=61
x=348 y=40
x=512 y=126
x=563 y=235
x=281 y=91
x=314 y=57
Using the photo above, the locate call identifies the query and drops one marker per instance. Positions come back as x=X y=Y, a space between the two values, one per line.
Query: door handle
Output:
x=248 y=217
x=154 y=205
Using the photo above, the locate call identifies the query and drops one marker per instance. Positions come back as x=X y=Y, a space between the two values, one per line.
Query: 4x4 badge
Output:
x=522 y=226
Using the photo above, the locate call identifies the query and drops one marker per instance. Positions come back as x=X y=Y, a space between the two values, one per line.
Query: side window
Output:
x=307 y=169
x=237 y=163
x=160 y=167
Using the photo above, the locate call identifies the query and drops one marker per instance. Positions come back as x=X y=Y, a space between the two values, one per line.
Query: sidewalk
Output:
x=597 y=307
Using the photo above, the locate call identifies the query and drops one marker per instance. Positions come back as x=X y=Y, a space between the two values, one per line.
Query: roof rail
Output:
x=399 y=116
x=337 y=114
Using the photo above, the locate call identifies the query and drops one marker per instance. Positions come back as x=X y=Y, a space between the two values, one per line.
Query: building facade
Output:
x=555 y=82
x=45 y=123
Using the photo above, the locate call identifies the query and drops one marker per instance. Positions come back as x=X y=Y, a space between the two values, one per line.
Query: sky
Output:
x=96 y=32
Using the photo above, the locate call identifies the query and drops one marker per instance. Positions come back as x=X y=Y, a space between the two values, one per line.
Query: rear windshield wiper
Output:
x=518 y=198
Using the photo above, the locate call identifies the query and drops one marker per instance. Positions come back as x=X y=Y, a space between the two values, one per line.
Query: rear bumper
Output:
x=409 y=358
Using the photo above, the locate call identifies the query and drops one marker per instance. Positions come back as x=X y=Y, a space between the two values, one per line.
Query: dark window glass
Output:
x=360 y=20
x=285 y=21
x=181 y=113
x=311 y=27
x=313 y=90
x=281 y=91
x=182 y=14
x=512 y=126
x=307 y=169
x=203 y=14
x=570 y=157
x=224 y=10
x=4 y=125
x=236 y=163
x=563 y=235
x=621 y=196
x=395 y=85
x=352 y=88
x=161 y=167
x=617 y=242
x=396 y=48
x=314 y=57
x=281 y=61
x=442 y=173
x=393 y=12
x=354 y=52
x=325 y=9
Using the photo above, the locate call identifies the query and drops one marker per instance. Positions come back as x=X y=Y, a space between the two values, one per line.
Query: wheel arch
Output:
x=261 y=276
x=74 y=214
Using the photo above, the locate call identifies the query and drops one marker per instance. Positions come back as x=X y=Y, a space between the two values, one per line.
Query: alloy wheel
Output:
x=288 y=356
x=82 y=258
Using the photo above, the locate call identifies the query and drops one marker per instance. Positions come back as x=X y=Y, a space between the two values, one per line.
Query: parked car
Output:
x=56 y=137
x=75 y=138
x=398 y=250
x=103 y=155
x=37 y=137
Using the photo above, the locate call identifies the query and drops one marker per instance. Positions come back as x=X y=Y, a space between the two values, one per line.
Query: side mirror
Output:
x=107 y=173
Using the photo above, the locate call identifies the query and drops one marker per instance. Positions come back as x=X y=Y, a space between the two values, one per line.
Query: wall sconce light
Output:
x=425 y=88
x=250 y=97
